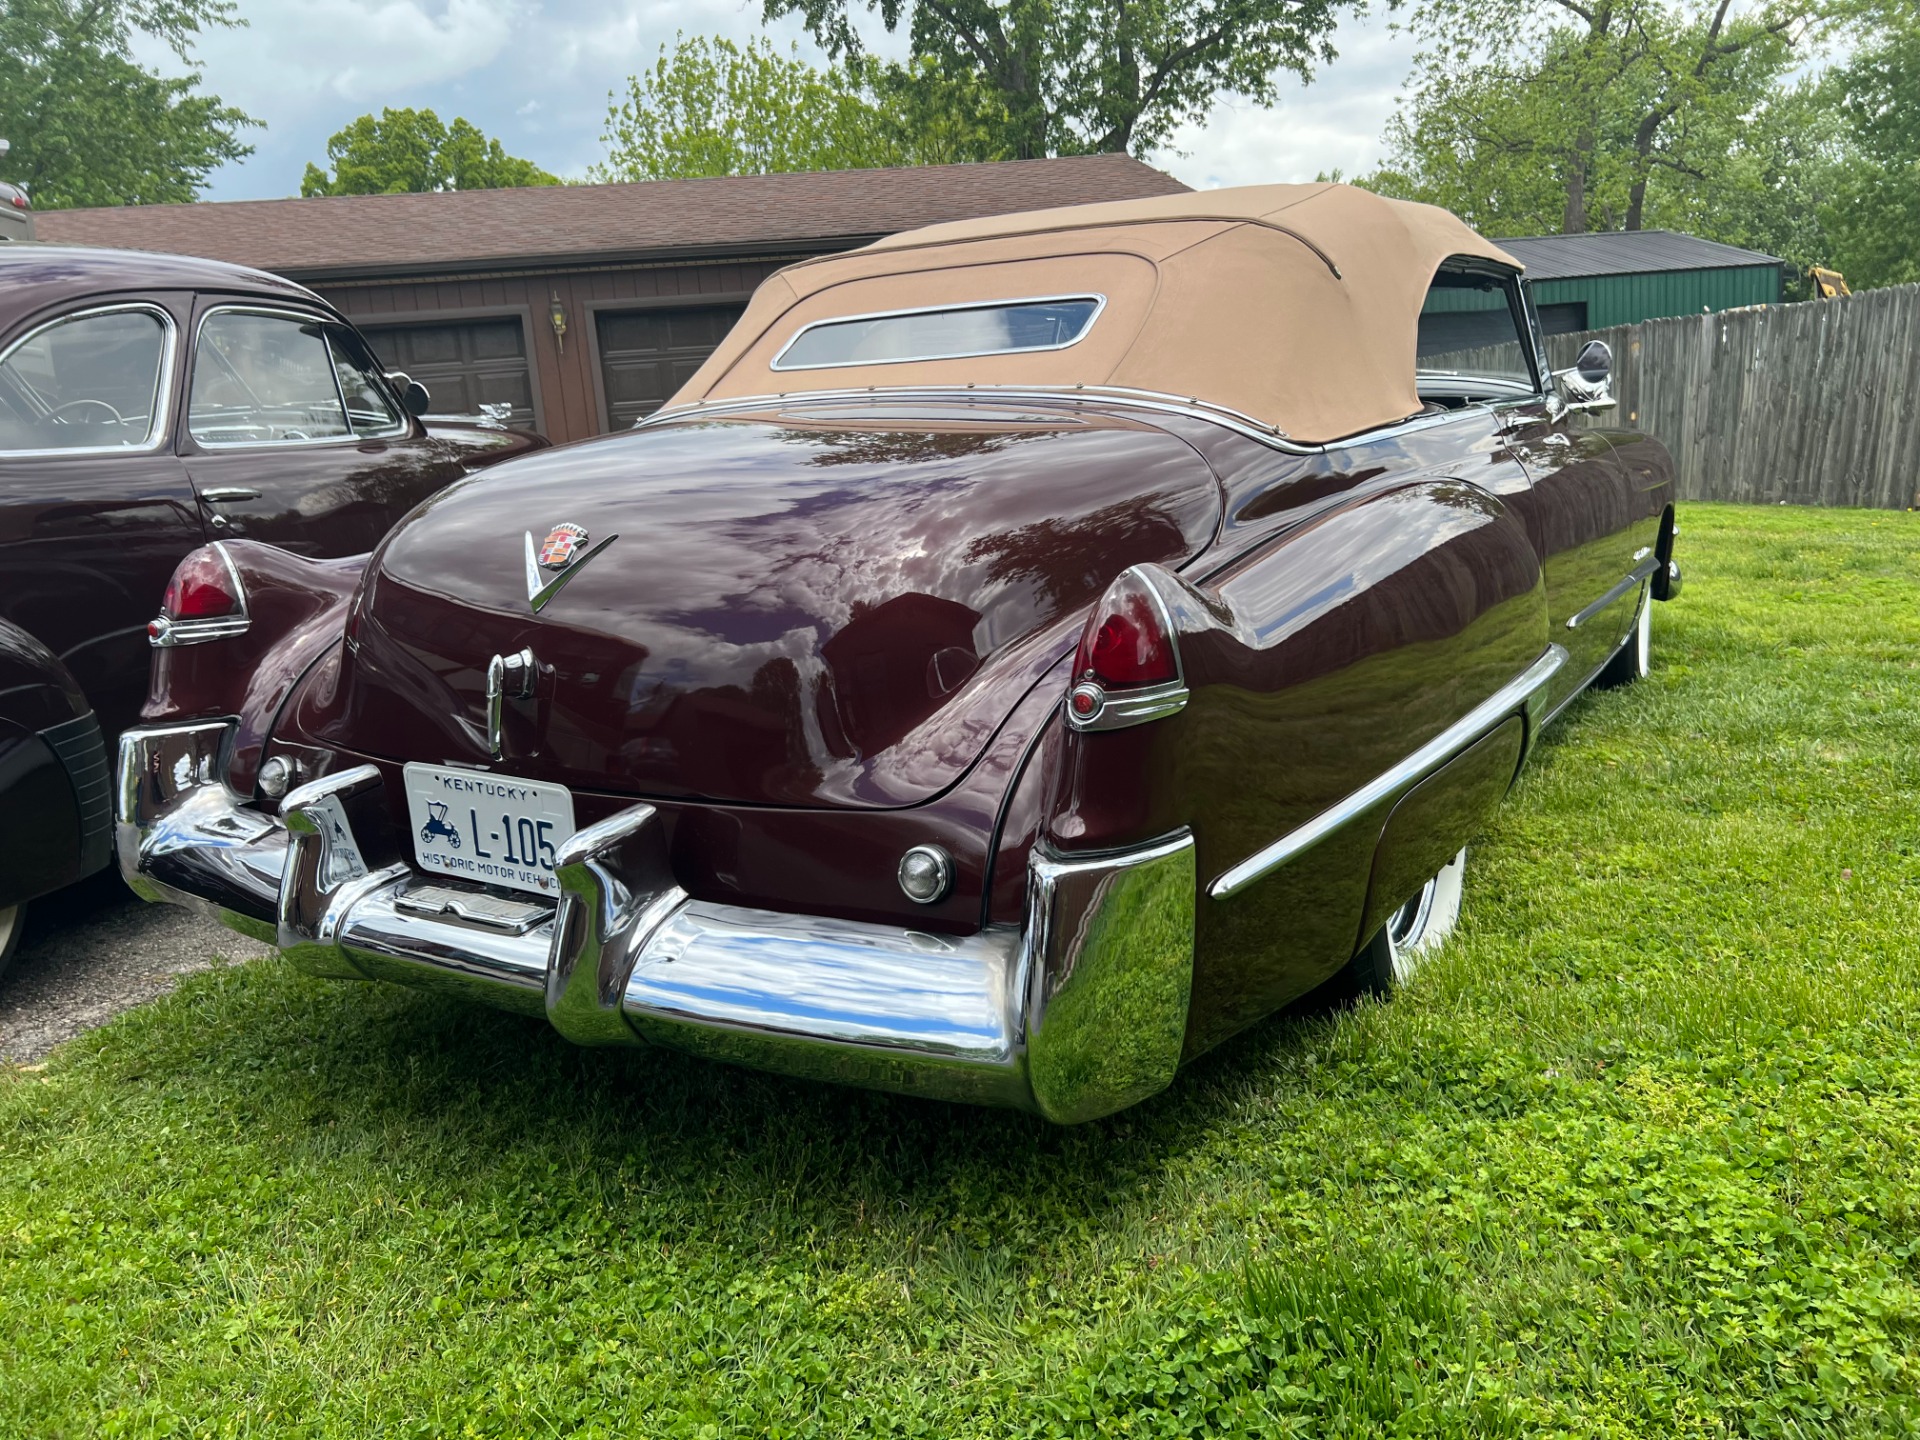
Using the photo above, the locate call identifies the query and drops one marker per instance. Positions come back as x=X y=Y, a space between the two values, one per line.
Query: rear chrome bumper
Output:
x=1079 y=1012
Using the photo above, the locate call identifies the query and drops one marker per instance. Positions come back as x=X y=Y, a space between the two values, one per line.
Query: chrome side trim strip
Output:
x=1635 y=578
x=1509 y=700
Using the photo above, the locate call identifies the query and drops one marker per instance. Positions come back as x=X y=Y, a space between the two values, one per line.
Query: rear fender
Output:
x=1313 y=667
x=297 y=609
x=36 y=690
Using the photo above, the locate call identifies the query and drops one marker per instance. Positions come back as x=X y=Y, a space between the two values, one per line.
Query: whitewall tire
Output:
x=1630 y=661
x=13 y=920
x=1411 y=933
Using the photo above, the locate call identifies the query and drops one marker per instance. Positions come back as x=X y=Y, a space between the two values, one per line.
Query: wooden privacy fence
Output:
x=1810 y=404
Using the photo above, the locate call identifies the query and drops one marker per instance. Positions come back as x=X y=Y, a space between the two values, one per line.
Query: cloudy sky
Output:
x=535 y=73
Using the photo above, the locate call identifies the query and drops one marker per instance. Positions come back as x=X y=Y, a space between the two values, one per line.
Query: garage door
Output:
x=464 y=363
x=646 y=355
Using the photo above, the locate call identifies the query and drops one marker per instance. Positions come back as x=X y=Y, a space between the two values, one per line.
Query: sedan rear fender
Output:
x=291 y=612
x=1308 y=671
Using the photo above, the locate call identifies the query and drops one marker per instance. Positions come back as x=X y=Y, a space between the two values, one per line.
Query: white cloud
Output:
x=536 y=74
x=1335 y=122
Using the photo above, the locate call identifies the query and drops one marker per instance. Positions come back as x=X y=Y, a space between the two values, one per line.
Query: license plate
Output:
x=496 y=829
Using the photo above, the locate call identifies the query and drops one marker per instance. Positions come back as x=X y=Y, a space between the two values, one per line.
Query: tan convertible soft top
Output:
x=1296 y=305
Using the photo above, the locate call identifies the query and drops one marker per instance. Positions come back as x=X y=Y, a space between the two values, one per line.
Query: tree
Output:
x=1576 y=115
x=1075 y=76
x=711 y=107
x=88 y=125
x=1873 y=220
x=409 y=151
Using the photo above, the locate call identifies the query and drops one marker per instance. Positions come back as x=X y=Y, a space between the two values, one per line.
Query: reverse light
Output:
x=926 y=874
x=204 y=601
x=1127 y=669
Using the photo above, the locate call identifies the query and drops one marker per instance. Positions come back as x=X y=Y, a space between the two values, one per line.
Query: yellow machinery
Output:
x=1827 y=284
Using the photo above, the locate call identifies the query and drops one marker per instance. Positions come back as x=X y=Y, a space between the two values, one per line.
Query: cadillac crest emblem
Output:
x=557 y=549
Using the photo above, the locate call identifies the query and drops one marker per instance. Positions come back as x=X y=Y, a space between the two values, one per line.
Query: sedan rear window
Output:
x=90 y=382
x=999 y=327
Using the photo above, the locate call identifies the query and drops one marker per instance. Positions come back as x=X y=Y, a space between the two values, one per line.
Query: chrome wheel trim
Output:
x=1428 y=918
x=9 y=923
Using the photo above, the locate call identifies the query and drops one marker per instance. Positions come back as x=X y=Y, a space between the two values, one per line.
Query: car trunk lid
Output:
x=813 y=608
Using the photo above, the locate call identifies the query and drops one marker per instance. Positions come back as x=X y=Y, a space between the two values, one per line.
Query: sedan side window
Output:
x=370 y=409
x=262 y=379
x=90 y=382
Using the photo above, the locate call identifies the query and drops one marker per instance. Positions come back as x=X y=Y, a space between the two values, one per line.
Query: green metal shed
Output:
x=1588 y=282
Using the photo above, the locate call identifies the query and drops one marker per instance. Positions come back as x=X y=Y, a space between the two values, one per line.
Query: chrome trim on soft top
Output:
x=1121 y=395
x=1511 y=699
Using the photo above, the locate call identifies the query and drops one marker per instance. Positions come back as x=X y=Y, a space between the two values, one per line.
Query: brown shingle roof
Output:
x=340 y=236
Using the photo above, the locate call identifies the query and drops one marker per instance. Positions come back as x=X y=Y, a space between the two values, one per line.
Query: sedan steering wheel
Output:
x=86 y=400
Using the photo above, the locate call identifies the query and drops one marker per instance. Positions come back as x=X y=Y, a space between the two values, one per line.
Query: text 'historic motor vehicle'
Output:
x=1027 y=652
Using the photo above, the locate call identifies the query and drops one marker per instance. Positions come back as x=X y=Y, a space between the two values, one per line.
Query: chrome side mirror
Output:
x=1588 y=384
x=413 y=395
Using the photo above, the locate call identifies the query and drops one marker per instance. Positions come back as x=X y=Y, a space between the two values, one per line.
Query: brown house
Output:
x=581 y=306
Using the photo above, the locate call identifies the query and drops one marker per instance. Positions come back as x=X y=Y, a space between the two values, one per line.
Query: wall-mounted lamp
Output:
x=557 y=313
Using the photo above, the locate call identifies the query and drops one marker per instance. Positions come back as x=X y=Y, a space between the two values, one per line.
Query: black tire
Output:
x=1630 y=661
x=13 y=924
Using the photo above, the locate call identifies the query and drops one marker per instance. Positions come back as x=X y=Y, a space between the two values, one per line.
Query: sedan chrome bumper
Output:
x=1079 y=1012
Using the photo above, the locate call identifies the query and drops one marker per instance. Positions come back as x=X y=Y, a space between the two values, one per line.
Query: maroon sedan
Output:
x=1026 y=653
x=149 y=404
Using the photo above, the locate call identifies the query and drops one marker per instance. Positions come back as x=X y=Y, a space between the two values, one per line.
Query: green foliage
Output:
x=1074 y=76
x=1873 y=218
x=711 y=107
x=409 y=151
x=1621 y=114
x=91 y=126
x=1637 y=1153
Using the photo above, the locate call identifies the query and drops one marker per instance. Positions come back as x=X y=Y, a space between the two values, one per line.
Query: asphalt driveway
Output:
x=94 y=950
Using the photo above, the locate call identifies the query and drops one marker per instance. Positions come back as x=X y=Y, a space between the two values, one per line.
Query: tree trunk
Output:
x=1573 y=220
x=1643 y=137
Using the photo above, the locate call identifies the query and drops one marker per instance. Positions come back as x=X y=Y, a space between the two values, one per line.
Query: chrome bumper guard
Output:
x=1077 y=1013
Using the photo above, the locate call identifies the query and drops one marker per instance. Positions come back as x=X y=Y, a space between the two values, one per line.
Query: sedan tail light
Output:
x=1127 y=669
x=204 y=601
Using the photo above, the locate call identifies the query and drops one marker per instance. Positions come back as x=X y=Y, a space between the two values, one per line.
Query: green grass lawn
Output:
x=1637 y=1155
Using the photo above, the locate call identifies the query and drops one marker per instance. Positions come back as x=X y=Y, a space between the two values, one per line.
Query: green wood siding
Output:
x=1629 y=299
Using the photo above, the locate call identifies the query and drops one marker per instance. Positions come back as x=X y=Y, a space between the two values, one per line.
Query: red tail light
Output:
x=204 y=601
x=1127 y=641
x=202 y=586
x=1126 y=670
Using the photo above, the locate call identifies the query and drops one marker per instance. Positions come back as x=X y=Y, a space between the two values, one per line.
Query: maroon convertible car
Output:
x=1026 y=653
